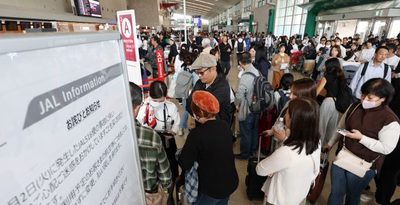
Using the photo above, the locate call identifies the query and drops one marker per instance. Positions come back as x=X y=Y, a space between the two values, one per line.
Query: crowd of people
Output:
x=365 y=109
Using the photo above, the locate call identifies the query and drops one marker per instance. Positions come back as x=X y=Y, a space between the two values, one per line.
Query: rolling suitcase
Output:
x=253 y=181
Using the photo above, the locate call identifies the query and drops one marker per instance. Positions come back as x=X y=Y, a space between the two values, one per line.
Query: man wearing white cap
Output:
x=205 y=66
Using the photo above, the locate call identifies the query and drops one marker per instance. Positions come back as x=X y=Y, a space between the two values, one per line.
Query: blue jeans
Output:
x=203 y=199
x=248 y=135
x=345 y=183
x=185 y=115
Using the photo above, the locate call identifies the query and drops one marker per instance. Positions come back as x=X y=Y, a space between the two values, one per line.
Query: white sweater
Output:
x=291 y=175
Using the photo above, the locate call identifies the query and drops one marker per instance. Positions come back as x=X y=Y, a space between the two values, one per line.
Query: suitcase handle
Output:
x=272 y=144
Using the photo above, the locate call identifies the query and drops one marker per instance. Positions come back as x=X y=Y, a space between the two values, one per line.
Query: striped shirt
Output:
x=153 y=159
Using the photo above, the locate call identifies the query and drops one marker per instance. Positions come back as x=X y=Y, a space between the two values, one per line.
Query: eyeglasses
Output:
x=201 y=72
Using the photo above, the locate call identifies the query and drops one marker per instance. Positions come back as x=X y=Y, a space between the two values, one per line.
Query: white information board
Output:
x=66 y=132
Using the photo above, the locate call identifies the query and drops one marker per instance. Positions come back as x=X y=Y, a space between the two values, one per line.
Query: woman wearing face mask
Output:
x=210 y=145
x=373 y=132
x=162 y=115
x=280 y=63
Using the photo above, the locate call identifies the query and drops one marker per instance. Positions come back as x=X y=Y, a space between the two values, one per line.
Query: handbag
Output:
x=349 y=161
x=158 y=198
x=352 y=163
x=316 y=188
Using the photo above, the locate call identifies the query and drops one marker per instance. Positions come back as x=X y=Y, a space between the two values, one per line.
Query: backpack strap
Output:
x=386 y=70
x=281 y=93
x=165 y=117
x=352 y=109
x=250 y=73
x=364 y=70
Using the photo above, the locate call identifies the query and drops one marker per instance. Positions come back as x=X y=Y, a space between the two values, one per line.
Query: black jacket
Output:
x=225 y=54
x=210 y=144
x=221 y=90
x=173 y=51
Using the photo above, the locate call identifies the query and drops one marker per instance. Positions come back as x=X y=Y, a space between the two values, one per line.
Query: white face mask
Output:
x=156 y=104
x=368 y=104
x=328 y=46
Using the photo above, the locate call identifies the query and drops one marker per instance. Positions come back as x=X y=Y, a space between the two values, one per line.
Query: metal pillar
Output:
x=184 y=19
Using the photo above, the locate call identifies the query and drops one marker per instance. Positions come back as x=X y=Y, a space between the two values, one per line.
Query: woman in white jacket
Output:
x=294 y=166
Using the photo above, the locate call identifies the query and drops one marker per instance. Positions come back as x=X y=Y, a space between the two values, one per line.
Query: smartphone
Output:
x=342 y=131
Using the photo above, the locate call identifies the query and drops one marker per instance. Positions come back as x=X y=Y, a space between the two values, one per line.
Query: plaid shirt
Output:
x=153 y=159
x=192 y=183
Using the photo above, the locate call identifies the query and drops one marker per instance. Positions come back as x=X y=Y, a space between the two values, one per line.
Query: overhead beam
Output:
x=194 y=4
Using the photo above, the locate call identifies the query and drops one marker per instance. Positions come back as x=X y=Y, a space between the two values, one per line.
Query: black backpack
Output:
x=263 y=94
x=284 y=98
x=240 y=46
x=344 y=97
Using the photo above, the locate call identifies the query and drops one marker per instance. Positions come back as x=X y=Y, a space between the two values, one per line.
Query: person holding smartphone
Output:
x=373 y=132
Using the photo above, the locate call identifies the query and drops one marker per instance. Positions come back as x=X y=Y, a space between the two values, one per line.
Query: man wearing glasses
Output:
x=205 y=66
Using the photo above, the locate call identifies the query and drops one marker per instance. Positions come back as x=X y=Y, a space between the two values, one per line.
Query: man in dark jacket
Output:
x=151 y=54
x=225 y=49
x=173 y=51
x=205 y=67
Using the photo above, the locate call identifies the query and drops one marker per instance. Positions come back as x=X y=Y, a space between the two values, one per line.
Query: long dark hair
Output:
x=304 y=87
x=333 y=67
x=301 y=111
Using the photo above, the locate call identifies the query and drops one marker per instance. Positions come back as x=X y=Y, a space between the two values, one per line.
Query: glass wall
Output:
x=363 y=27
x=290 y=18
x=394 y=28
x=346 y=28
x=379 y=27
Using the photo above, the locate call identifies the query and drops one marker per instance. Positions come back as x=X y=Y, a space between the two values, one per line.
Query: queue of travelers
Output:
x=355 y=114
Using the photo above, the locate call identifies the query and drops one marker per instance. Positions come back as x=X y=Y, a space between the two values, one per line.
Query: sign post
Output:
x=67 y=132
x=160 y=64
x=127 y=29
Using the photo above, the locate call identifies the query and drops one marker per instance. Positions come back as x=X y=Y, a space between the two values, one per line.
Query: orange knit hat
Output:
x=206 y=101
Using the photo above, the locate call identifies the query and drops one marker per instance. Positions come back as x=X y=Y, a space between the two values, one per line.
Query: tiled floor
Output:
x=239 y=196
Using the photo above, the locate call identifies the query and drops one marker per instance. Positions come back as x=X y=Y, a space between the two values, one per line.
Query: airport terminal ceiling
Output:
x=206 y=8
